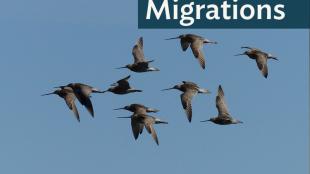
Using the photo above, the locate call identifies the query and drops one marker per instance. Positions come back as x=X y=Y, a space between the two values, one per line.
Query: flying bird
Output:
x=138 y=108
x=122 y=87
x=67 y=94
x=140 y=63
x=83 y=93
x=196 y=43
x=189 y=90
x=261 y=58
x=140 y=120
x=223 y=118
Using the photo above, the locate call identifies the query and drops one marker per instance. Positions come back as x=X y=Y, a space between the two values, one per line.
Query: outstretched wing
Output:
x=84 y=99
x=261 y=61
x=136 y=127
x=124 y=82
x=220 y=103
x=69 y=99
x=186 y=99
x=137 y=51
x=184 y=43
x=149 y=127
x=196 y=47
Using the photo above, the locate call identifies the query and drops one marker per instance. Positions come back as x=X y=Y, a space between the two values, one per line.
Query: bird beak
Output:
x=173 y=38
x=121 y=67
x=240 y=122
x=163 y=122
x=48 y=94
x=239 y=54
x=206 y=120
x=114 y=84
x=167 y=89
x=124 y=117
x=103 y=91
x=118 y=108
x=60 y=87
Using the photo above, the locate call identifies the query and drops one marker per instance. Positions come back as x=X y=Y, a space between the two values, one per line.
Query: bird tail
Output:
x=204 y=91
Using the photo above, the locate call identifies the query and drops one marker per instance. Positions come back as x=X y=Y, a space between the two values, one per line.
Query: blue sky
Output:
x=48 y=43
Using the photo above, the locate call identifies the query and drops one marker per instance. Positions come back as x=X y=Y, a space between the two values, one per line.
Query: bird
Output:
x=138 y=108
x=140 y=64
x=189 y=90
x=138 y=121
x=224 y=117
x=82 y=93
x=261 y=58
x=122 y=87
x=196 y=42
x=68 y=95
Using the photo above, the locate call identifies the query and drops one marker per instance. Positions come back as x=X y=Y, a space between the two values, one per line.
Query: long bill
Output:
x=118 y=109
x=240 y=54
x=167 y=89
x=121 y=67
x=205 y=120
x=48 y=94
x=124 y=117
x=173 y=38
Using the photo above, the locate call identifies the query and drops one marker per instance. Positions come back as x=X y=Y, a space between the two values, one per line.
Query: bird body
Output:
x=223 y=117
x=82 y=93
x=138 y=108
x=261 y=58
x=122 y=87
x=196 y=43
x=189 y=90
x=140 y=64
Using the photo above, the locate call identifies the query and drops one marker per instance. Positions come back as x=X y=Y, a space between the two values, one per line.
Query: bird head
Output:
x=126 y=66
x=174 y=87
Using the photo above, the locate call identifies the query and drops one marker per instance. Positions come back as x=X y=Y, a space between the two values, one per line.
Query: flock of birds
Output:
x=140 y=117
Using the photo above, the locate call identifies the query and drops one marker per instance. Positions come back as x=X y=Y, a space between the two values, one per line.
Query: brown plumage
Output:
x=260 y=57
x=140 y=63
x=137 y=109
x=223 y=117
x=69 y=97
x=139 y=120
x=122 y=87
x=82 y=93
x=189 y=90
x=196 y=43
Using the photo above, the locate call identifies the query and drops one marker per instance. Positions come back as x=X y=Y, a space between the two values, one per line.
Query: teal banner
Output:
x=223 y=14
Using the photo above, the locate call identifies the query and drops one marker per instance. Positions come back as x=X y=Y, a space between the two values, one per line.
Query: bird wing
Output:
x=137 y=51
x=220 y=103
x=149 y=127
x=186 y=99
x=124 y=82
x=261 y=61
x=184 y=43
x=196 y=47
x=136 y=127
x=84 y=99
x=70 y=98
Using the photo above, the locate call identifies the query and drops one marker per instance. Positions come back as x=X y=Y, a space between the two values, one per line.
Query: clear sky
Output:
x=49 y=43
